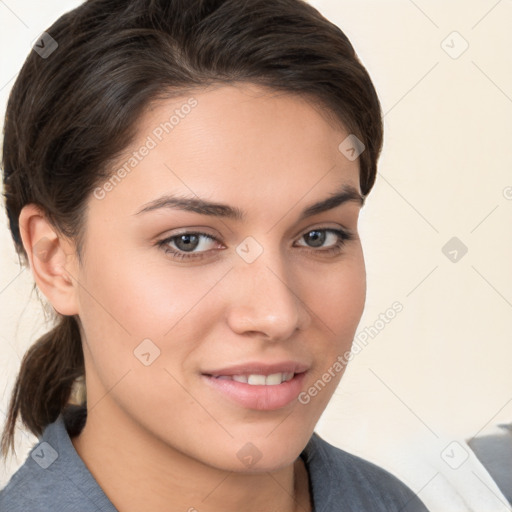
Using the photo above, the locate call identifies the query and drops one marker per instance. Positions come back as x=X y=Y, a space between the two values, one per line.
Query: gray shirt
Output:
x=54 y=478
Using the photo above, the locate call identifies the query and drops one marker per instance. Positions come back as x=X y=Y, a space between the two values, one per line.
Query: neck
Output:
x=138 y=472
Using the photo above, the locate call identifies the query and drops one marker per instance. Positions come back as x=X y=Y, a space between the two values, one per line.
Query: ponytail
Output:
x=46 y=379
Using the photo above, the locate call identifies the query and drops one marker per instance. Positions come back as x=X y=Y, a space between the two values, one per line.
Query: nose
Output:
x=265 y=301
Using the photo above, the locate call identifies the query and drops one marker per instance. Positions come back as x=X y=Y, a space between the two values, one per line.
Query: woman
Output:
x=184 y=179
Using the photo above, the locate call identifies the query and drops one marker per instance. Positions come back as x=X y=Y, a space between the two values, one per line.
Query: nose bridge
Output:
x=266 y=300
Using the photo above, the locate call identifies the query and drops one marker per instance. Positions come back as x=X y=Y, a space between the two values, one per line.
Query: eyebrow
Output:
x=345 y=194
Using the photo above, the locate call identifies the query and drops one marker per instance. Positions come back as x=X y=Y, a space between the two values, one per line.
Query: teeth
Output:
x=275 y=378
x=256 y=380
x=261 y=380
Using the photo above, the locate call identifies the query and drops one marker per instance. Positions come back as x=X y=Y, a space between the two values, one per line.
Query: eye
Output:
x=184 y=245
x=318 y=237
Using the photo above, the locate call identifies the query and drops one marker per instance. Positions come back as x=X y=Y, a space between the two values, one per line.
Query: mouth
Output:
x=259 y=387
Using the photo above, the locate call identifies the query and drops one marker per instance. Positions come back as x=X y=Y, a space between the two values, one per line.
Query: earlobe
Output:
x=52 y=259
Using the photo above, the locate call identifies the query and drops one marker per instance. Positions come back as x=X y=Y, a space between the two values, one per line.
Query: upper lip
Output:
x=256 y=368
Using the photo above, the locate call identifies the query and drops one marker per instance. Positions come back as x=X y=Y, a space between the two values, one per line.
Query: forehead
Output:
x=233 y=143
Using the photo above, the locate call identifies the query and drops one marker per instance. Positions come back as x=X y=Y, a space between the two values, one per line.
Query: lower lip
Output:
x=261 y=398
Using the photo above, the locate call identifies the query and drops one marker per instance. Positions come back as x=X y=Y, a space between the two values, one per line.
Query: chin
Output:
x=262 y=453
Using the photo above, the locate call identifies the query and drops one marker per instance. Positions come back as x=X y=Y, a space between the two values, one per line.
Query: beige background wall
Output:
x=440 y=371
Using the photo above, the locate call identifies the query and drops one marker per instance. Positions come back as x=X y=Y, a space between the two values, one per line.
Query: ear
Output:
x=52 y=259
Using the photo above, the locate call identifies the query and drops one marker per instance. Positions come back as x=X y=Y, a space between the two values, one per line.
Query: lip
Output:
x=257 y=397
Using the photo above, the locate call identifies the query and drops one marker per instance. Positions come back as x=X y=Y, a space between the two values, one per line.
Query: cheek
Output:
x=125 y=301
x=338 y=304
x=339 y=299
x=128 y=311
x=144 y=299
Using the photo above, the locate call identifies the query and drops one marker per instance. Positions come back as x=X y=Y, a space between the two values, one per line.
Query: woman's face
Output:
x=176 y=297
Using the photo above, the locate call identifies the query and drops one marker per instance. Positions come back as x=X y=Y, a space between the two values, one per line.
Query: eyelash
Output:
x=343 y=237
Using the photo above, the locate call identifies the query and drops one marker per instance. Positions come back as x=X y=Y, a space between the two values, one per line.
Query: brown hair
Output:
x=73 y=112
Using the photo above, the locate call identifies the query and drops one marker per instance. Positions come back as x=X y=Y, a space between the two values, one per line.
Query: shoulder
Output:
x=31 y=485
x=338 y=476
x=53 y=478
